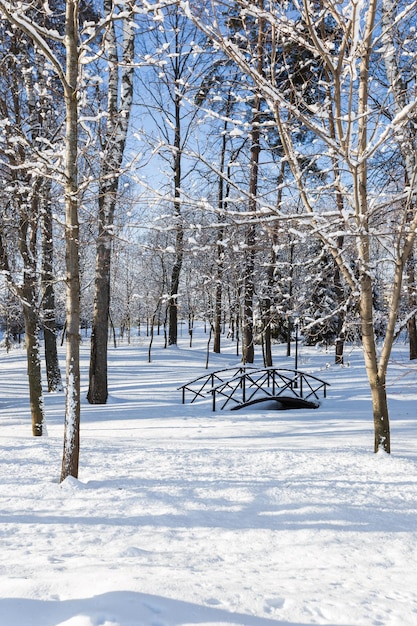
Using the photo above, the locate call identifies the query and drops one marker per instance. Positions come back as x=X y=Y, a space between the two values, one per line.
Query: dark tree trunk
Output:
x=267 y=309
x=98 y=384
x=53 y=372
x=412 y=302
x=115 y=141
x=248 y=351
x=218 y=316
x=340 y=339
x=27 y=295
x=179 y=230
x=33 y=363
x=271 y=272
x=290 y=293
x=340 y=344
x=222 y=204
x=175 y=283
x=412 y=335
x=267 y=335
x=382 y=437
x=337 y=280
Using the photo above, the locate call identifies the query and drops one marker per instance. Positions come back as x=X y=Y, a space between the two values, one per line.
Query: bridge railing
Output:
x=200 y=387
x=239 y=385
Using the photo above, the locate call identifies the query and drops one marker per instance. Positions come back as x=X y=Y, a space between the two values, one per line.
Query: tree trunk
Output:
x=267 y=315
x=382 y=438
x=26 y=294
x=53 y=372
x=70 y=459
x=33 y=364
x=398 y=80
x=115 y=142
x=412 y=303
x=376 y=377
x=290 y=295
x=31 y=317
x=271 y=272
x=39 y=113
x=98 y=384
x=218 y=314
x=267 y=335
x=248 y=351
x=222 y=204
x=339 y=198
x=340 y=338
x=248 y=348
x=412 y=336
x=340 y=342
x=27 y=237
x=179 y=230
x=175 y=283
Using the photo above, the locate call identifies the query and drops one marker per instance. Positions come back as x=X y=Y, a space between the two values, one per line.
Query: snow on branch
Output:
x=39 y=35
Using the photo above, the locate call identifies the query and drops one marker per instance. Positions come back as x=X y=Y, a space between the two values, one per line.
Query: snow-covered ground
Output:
x=182 y=516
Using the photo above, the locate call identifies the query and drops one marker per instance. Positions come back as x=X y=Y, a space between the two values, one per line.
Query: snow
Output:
x=185 y=517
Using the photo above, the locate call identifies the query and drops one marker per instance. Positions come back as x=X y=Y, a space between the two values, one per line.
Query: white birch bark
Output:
x=70 y=460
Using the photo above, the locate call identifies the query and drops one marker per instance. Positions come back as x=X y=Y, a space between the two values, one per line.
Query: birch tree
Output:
x=20 y=17
x=26 y=142
x=70 y=459
x=362 y=132
x=113 y=139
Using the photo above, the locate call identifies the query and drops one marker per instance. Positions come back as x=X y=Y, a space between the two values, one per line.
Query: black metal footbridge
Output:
x=243 y=386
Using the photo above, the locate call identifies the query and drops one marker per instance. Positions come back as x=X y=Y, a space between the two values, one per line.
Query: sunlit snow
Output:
x=182 y=516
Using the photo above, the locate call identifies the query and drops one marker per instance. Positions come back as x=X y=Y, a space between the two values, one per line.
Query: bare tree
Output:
x=70 y=460
x=177 y=64
x=21 y=18
x=361 y=132
x=399 y=70
x=53 y=372
x=22 y=203
x=28 y=294
x=119 y=104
